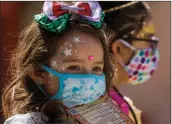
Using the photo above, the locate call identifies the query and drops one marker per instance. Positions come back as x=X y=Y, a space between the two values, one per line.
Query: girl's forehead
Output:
x=77 y=36
x=77 y=39
x=79 y=45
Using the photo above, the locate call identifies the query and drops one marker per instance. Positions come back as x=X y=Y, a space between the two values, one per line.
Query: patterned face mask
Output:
x=142 y=65
x=77 y=89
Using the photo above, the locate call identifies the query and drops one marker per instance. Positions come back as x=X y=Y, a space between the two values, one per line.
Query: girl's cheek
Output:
x=51 y=85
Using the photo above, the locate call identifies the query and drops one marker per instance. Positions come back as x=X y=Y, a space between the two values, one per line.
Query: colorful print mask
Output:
x=142 y=65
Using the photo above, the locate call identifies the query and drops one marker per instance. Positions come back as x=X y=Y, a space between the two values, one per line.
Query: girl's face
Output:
x=76 y=52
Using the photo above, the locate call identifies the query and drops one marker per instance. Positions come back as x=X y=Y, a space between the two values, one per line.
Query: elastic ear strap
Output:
x=51 y=71
x=61 y=86
x=56 y=96
x=127 y=44
x=42 y=90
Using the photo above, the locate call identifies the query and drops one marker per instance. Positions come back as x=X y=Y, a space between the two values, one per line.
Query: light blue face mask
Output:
x=77 y=89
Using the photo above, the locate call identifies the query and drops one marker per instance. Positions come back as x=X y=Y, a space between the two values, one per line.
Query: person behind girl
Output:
x=133 y=46
x=61 y=56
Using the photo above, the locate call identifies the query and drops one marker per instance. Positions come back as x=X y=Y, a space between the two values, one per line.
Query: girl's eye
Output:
x=97 y=69
x=75 y=68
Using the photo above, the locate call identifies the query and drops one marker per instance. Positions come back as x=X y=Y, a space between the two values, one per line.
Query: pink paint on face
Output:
x=90 y=57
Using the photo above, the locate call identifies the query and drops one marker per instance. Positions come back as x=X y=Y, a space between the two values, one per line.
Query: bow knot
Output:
x=79 y=8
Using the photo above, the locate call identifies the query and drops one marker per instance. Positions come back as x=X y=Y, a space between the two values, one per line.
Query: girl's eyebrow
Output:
x=71 y=60
x=99 y=62
x=79 y=60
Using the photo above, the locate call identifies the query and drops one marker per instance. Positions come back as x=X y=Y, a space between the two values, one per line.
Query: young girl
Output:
x=133 y=46
x=61 y=62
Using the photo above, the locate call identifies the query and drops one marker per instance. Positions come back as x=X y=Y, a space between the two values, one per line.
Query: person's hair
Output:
x=125 y=17
x=36 y=46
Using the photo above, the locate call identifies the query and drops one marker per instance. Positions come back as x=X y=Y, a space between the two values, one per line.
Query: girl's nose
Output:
x=87 y=70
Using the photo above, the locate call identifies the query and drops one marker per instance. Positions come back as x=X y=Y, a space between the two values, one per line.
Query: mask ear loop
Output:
x=61 y=86
x=127 y=44
x=42 y=90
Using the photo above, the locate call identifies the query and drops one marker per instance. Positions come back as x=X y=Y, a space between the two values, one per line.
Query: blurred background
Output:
x=153 y=97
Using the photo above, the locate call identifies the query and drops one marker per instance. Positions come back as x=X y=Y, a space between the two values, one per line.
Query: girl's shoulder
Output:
x=29 y=118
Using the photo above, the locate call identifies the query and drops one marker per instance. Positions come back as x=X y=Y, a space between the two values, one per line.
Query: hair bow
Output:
x=56 y=15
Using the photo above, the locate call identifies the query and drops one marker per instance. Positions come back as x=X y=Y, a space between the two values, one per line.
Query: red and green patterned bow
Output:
x=56 y=15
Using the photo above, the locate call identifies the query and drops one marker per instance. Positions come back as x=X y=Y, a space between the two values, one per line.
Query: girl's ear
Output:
x=48 y=82
x=121 y=52
x=117 y=49
x=38 y=76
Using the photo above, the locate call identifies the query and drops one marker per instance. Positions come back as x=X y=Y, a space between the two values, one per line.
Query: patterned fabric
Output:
x=56 y=15
x=55 y=25
x=142 y=65
x=82 y=90
x=77 y=89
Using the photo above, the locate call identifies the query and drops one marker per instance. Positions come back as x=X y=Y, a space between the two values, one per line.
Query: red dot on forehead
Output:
x=90 y=57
